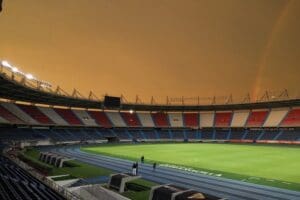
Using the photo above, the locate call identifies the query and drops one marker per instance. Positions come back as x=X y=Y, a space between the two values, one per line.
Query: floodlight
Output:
x=5 y=64
x=14 y=69
x=29 y=76
x=131 y=111
x=45 y=85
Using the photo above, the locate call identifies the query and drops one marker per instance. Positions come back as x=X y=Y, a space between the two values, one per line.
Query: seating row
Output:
x=17 y=184
x=11 y=113
x=94 y=134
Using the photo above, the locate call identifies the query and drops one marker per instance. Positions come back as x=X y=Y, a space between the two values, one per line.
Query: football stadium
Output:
x=59 y=143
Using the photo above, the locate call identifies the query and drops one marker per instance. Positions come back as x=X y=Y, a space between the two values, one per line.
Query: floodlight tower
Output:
x=25 y=76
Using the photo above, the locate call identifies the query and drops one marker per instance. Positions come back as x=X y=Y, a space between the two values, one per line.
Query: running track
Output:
x=226 y=188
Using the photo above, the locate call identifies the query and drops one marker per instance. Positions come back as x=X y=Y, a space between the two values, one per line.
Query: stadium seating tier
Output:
x=9 y=117
x=292 y=119
x=207 y=119
x=275 y=117
x=116 y=119
x=69 y=116
x=16 y=183
x=239 y=118
x=131 y=119
x=36 y=114
x=223 y=119
x=11 y=113
x=146 y=119
x=257 y=118
x=101 y=119
x=191 y=119
x=160 y=119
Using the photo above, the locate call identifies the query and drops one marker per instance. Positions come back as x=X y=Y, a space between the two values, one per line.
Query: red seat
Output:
x=36 y=114
x=131 y=119
x=160 y=119
x=191 y=119
x=5 y=114
x=68 y=115
x=292 y=118
x=257 y=118
x=223 y=119
x=100 y=118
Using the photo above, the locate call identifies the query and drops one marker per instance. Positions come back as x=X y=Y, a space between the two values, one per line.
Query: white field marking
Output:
x=190 y=170
x=255 y=178
x=270 y=180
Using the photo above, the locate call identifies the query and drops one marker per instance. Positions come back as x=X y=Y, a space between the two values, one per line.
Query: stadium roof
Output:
x=13 y=90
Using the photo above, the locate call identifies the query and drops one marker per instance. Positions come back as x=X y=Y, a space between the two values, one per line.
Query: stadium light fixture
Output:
x=14 y=69
x=46 y=85
x=4 y=63
x=29 y=76
x=131 y=111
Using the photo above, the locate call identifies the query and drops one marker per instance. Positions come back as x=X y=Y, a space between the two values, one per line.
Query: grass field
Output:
x=78 y=170
x=272 y=165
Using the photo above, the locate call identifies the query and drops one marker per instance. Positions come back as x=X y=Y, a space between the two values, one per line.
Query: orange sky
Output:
x=156 y=48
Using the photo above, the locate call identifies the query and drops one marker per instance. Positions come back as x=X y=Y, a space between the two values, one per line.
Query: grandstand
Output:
x=16 y=183
x=35 y=116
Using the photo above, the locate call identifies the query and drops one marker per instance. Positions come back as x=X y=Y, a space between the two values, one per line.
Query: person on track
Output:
x=142 y=159
x=137 y=168
x=134 y=167
x=154 y=166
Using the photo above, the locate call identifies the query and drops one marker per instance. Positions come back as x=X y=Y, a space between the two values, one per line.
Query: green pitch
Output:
x=273 y=165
